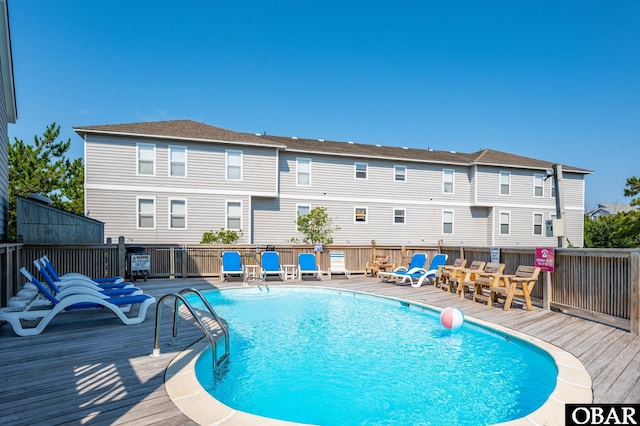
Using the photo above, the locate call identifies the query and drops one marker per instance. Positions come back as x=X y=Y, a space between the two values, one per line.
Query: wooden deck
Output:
x=87 y=368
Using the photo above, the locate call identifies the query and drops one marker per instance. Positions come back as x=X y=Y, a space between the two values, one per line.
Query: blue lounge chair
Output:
x=307 y=265
x=338 y=264
x=417 y=275
x=57 y=287
x=270 y=263
x=437 y=261
x=113 y=282
x=417 y=264
x=231 y=265
x=70 y=299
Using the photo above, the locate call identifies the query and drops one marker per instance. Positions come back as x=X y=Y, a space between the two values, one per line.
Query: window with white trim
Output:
x=360 y=215
x=303 y=168
x=447 y=181
x=177 y=214
x=447 y=222
x=400 y=173
x=234 y=165
x=146 y=213
x=399 y=215
x=361 y=170
x=146 y=154
x=234 y=215
x=505 y=183
x=553 y=188
x=505 y=220
x=303 y=210
x=537 y=224
x=177 y=161
x=538 y=185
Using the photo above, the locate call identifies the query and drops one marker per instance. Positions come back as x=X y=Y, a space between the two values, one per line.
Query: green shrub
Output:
x=223 y=236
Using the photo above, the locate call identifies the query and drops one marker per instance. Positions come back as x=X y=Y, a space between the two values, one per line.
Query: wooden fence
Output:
x=599 y=284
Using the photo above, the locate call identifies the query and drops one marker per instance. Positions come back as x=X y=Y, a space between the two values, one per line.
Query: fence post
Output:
x=185 y=262
x=546 y=292
x=122 y=253
x=635 y=293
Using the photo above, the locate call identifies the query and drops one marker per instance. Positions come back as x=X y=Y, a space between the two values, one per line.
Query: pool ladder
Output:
x=261 y=277
x=179 y=297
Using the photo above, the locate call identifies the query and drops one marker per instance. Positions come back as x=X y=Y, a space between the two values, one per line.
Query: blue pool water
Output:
x=328 y=357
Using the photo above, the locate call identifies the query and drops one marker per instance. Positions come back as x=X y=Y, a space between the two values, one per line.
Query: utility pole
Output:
x=557 y=177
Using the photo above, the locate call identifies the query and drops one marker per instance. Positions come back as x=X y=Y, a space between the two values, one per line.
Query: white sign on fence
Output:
x=495 y=254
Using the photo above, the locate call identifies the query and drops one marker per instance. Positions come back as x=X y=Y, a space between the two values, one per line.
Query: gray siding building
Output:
x=8 y=113
x=170 y=181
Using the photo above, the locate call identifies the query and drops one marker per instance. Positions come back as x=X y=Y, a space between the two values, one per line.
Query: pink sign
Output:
x=545 y=259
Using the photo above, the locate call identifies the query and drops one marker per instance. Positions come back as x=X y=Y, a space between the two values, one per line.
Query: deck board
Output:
x=87 y=367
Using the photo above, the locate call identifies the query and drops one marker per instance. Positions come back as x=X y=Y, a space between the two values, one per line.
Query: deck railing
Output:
x=600 y=284
x=10 y=262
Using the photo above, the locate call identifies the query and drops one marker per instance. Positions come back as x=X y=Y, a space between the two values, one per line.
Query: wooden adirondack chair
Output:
x=519 y=284
x=464 y=280
x=374 y=265
x=449 y=271
x=485 y=279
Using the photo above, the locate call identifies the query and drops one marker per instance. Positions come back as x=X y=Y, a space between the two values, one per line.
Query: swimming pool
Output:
x=364 y=359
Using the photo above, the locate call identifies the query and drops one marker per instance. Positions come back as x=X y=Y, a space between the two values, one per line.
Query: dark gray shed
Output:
x=40 y=223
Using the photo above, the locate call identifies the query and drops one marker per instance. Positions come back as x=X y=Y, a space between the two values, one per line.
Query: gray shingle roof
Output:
x=192 y=130
x=178 y=129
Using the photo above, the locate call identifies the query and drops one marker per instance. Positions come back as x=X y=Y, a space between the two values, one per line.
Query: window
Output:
x=146 y=159
x=553 y=188
x=447 y=181
x=360 y=215
x=361 y=170
x=146 y=213
x=538 y=185
x=177 y=214
x=504 y=223
x=177 y=161
x=505 y=183
x=234 y=166
x=447 y=222
x=303 y=166
x=303 y=210
x=399 y=215
x=234 y=215
x=400 y=173
x=537 y=224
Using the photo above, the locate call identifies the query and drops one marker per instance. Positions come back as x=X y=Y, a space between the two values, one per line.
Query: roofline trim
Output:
x=412 y=160
x=568 y=169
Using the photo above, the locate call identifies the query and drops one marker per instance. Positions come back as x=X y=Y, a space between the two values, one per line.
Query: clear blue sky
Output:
x=558 y=81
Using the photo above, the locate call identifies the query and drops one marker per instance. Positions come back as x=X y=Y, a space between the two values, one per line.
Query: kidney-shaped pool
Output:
x=323 y=356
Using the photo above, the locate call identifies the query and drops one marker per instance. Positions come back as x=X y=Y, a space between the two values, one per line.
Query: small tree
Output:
x=43 y=168
x=629 y=222
x=316 y=226
x=223 y=236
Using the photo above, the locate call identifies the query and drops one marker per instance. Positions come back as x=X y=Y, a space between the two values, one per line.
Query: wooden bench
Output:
x=519 y=284
x=460 y=274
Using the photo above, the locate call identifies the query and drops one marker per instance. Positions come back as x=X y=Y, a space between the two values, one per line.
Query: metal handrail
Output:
x=179 y=297
x=263 y=276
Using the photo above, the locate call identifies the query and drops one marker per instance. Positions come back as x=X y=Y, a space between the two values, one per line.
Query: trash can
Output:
x=138 y=263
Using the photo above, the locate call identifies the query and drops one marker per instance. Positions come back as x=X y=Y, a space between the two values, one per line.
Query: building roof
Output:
x=192 y=130
x=611 y=208
x=178 y=130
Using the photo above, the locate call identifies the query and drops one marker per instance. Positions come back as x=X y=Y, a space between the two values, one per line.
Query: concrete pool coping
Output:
x=573 y=383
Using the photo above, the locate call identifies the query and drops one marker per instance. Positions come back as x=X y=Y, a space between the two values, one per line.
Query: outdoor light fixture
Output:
x=550 y=172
